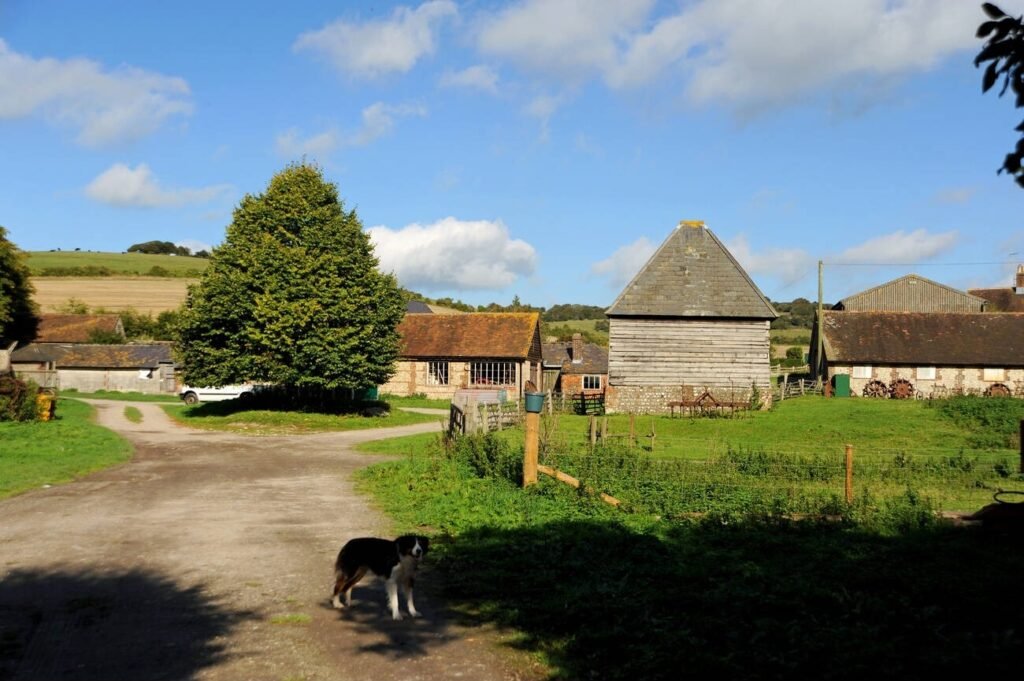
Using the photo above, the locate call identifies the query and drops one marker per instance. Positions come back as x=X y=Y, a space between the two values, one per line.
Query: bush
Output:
x=487 y=456
x=18 y=400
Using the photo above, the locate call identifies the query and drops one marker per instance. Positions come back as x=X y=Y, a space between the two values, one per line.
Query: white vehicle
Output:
x=193 y=395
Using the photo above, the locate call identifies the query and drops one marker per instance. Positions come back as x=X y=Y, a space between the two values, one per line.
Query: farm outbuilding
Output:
x=925 y=353
x=443 y=353
x=1010 y=299
x=133 y=368
x=911 y=293
x=575 y=367
x=691 y=317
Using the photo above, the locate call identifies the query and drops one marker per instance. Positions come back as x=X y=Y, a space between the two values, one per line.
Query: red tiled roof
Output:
x=925 y=338
x=507 y=335
x=1000 y=299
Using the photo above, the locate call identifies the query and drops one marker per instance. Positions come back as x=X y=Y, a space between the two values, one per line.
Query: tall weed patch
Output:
x=994 y=422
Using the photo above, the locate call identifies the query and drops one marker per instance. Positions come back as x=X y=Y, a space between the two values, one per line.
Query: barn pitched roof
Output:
x=924 y=338
x=85 y=356
x=911 y=293
x=507 y=335
x=1000 y=299
x=692 y=275
x=75 y=328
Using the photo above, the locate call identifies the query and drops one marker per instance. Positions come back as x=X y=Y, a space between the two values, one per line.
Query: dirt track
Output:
x=209 y=556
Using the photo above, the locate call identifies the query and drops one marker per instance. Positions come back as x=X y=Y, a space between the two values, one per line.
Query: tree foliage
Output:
x=567 y=311
x=159 y=248
x=18 y=314
x=293 y=296
x=1004 y=52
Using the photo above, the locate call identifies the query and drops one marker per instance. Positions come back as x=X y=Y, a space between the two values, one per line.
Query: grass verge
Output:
x=120 y=396
x=133 y=414
x=51 y=452
x=223 y=416
x=598 y=593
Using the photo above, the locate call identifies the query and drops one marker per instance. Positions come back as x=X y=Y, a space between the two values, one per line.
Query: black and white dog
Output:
x=396 y=561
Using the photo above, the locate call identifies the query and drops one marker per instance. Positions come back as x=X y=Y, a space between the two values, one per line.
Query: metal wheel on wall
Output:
x=998 y=390
x=876 y=389
x=901 y=389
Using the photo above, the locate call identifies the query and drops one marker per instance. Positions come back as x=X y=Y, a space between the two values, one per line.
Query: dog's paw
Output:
x=336 y=602
x=414 y=613
x=397 y=616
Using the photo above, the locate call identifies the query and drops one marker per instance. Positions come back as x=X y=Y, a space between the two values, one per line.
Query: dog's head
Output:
x=412 y=545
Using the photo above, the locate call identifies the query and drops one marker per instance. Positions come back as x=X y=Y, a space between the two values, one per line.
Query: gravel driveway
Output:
x=210 y=556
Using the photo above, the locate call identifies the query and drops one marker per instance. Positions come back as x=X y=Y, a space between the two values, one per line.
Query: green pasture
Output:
x=39 y=262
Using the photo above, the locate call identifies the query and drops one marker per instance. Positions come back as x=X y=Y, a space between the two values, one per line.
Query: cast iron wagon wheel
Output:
x=997 y=390
x=876 y=389
x=901 y=389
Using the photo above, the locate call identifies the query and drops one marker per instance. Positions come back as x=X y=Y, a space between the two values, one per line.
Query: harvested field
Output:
x=142 y=294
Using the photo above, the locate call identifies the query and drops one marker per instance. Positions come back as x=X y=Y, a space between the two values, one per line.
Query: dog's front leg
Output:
x=408 y=598
x=392 y=587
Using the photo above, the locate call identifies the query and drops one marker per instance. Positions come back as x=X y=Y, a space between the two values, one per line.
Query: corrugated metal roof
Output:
x=924 y=338
x=594 y=360
x=911 y=293
x=507 y=335
x=84 y=356
x=692 y=275
x=75 y=328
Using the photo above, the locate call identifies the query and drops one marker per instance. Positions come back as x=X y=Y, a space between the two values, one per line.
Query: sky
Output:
x=536 y=148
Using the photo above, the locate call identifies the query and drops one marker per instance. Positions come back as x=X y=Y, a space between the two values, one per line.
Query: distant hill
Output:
x=97 y=264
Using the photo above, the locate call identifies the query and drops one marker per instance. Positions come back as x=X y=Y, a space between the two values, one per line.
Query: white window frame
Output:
x=993 y=374
x=592 y=377
x=861 y=371
x=492 y=373
x=925 y=373
x=437 y=372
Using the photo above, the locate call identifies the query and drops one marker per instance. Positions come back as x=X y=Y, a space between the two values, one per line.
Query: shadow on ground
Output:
x=100 y=626
x=748 y=600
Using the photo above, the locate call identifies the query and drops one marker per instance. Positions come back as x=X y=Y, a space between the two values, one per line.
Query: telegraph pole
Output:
x=821 y=342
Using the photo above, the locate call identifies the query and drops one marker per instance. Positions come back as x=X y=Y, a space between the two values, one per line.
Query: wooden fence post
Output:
x=531 y=448
x=632 y=430
x=849 y=474
x=1022 y=445
x=593 y=431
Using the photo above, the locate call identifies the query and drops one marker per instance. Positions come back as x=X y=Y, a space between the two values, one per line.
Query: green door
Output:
x=842 y=385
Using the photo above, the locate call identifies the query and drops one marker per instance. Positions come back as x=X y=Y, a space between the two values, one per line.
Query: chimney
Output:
x=577 y=348
x=1019 y=284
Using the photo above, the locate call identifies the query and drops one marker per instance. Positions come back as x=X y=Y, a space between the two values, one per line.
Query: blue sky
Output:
x=535 y=148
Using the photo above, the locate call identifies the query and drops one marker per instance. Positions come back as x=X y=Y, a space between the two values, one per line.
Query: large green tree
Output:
x=18 y=314
x=1004 y=52
x=293 y=296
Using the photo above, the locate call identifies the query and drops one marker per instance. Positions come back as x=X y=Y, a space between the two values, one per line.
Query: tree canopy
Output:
x=159 y=248
x=18 y=314
x=1004 y=52
x=293 y=296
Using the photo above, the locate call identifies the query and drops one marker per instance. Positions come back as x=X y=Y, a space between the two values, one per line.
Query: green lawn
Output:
x=415 y=401
x=221 y=416
x=118 y=263
x=121 y=396
x=51 y=452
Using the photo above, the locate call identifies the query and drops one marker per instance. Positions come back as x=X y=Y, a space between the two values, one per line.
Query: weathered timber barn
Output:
x=690 y=317
x=937 y=353
x=911 y=293
x=442 y=353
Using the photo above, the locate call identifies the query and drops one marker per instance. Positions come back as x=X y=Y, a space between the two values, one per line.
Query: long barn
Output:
x=690 y=318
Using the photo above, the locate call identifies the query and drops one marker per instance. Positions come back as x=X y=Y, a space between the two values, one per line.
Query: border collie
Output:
x=395 y=561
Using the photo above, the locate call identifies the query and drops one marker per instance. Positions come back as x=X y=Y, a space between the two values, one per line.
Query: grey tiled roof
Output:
x=692 y=275
x=78 y=355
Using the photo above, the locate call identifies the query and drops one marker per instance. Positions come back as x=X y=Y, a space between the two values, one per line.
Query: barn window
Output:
x=592 y=382
x=988 y=374
x=437 y=373
x=492 y=373
x=926 y=373
x=863 y=371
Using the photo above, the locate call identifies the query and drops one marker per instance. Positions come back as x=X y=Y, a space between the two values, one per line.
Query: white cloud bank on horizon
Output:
x=453 y=254
x=121 y=185
x=378 y=120
x=749 y=55
x=106 y=107
x=375 y=48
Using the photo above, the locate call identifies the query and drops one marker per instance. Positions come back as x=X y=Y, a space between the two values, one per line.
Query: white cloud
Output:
x=377 y=121
x=789 y=265
x=121 y=185
x=566 y=38
x=955 y=195
x=375 y=48
x=453 y=254
x=105 y=107
x=478 y=77
x=625 y=262
x=747 y=54
x=899 y=247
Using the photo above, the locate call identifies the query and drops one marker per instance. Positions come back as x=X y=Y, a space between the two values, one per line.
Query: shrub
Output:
x=18 y=399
